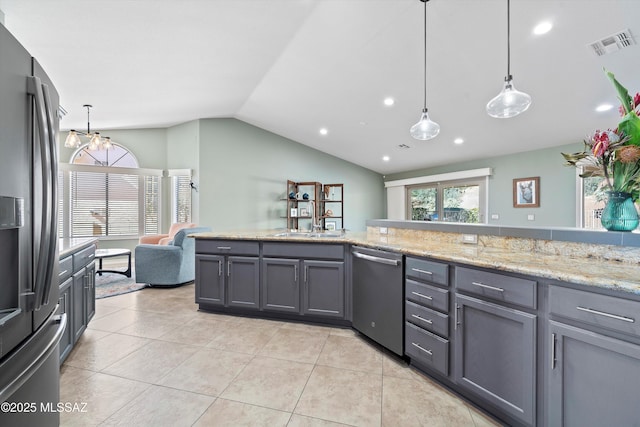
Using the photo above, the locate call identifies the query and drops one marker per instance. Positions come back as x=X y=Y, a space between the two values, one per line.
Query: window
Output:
x=180 y=195
x=450 y=201
x=592 y=200
x=104 y=193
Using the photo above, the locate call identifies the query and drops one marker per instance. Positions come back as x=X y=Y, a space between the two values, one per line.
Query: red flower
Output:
x=636 y=100
x=600 y=143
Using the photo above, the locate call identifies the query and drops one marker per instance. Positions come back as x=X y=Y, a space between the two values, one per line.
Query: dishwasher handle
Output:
x=386 y=261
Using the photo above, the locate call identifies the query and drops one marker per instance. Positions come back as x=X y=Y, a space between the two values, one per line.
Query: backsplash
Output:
x=626 y=254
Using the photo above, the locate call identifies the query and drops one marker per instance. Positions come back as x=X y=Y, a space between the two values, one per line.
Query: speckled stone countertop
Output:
x=70 y=245
x=585 y=270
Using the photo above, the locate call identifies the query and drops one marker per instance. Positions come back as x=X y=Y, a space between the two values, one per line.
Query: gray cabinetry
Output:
x=594 y=364
x=495 y=345
x=426 y=312
x=77 y=295
x=224 y=277
x=281 y=285
x=307 y=279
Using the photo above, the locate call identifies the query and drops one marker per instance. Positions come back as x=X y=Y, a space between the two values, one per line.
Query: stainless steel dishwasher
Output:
x=378 y=297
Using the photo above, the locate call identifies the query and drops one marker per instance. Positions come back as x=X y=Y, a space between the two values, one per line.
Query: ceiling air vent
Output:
x=613 y=43
x=403 y=146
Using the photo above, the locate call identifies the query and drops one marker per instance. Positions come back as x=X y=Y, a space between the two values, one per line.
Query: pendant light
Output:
x=96 y=142
x=509 y=102
x=425 y=129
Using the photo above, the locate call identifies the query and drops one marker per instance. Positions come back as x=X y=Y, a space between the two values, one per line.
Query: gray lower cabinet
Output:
x=64 y=307
x=495 y=355
x=594 y=380
x=228 y=281
x=83 y=299
x=90 y=291
x=309 y=287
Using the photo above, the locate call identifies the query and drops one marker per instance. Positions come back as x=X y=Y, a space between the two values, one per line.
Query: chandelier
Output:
x=96 y=142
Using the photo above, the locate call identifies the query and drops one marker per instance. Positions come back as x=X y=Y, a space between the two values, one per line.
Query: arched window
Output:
x=117 y=156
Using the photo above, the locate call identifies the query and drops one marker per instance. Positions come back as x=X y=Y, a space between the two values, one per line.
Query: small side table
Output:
x=110 y=253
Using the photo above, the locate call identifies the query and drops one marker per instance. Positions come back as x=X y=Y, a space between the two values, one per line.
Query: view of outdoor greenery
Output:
x=459 y=204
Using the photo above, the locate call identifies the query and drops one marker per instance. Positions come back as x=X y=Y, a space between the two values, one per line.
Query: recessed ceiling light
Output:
x=458 y=141
x=386 y=158
x=603 y=107
x=324 y=131
x=542 y=28
x=389 y=102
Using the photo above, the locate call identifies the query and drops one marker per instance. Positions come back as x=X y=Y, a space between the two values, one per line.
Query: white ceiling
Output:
x=294 y=66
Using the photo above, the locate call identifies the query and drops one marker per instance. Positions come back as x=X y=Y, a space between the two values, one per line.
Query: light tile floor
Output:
x=149 y=358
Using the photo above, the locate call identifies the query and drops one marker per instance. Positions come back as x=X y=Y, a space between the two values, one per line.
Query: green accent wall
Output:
x=557 y=185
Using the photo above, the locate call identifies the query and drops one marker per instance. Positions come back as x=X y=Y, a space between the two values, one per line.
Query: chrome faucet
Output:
x=314 y=226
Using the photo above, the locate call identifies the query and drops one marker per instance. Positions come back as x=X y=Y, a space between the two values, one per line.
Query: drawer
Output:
x=224 y=247
x=497 y=286
x=83 y=258
x=618 y=314
x=65 y=269
x=434 y=272
x=302 y=250
x=428 y=296
x=428 y=319
x=427 y=349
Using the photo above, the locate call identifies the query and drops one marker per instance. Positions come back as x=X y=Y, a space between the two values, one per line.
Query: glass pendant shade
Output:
x=425 y=129
x=95 y=142
x=509 y=102
x=106 y=143
x=73 y=140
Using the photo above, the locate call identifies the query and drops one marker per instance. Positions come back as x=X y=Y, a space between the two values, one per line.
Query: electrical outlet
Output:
x=495 y=216
x=383 y=230
x=470 y=239
x=531 y=217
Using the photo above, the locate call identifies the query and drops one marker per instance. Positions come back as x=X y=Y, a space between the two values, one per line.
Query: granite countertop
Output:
x=70 y=245
x=612 y=275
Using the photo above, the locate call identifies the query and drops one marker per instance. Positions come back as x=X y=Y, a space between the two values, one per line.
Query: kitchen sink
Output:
x=307 y=234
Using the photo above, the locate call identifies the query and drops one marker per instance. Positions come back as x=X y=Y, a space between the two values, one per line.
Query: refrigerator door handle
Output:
x=40 y=229
x=51 y=212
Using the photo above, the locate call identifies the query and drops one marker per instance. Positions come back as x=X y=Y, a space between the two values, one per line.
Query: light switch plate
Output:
x=383 y=230
x=531 y=217
x=495 y=216
x=471 y=239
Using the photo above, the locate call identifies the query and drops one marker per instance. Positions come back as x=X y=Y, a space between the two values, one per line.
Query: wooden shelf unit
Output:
x=327 y=197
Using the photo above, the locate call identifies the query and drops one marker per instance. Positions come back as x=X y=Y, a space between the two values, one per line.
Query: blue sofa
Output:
x=168 y=265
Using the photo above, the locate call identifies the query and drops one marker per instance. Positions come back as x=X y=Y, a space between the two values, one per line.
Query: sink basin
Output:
x=307 y=234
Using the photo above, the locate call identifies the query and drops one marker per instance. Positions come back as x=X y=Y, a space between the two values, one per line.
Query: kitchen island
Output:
x=522 y=323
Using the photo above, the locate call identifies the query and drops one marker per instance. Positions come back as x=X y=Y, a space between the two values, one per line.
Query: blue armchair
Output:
x=168 y=265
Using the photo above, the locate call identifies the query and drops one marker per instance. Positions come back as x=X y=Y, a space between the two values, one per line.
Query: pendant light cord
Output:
x=508 y=40
x=425 y=53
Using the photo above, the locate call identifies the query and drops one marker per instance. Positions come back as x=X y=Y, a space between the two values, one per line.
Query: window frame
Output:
x=440 y=187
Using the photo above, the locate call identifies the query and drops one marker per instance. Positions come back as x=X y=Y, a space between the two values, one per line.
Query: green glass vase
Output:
x=620 y=213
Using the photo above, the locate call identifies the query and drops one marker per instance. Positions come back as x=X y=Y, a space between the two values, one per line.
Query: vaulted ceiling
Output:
x=293 y=67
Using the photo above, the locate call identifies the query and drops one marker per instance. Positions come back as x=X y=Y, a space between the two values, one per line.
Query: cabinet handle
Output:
x=415 y=316
x=422 y=296
x=429 y=352
x=455 y=321
x=306 y=274
x=90 y=256
x=482 y=285
x=417 y=270
x=553 y=351
x=612 y=316
x=62 y=273
x=219 y=268
x=295 y=273
x=229 y=268
x=224 y=248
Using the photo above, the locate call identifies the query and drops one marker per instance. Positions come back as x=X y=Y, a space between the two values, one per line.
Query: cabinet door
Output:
x=594 y=380
x=495 y=355
x=280 y=285
x=90 y=292
x=78 y=321
x=64 y=306
x=243 y=278
x=210 y=281
x=323 y=293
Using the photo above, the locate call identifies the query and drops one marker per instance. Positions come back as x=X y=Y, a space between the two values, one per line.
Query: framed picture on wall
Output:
x=526 y=192
x=304 y=212
x=294 y=212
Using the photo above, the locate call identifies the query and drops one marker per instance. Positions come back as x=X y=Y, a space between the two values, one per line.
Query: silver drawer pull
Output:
x=62 y=273
x=91 y=255
x=417 y=270
x=418 y=294
x=415 y=316
x=602 y=313
x=224 y=248
x=482 y=285
x=429 y=352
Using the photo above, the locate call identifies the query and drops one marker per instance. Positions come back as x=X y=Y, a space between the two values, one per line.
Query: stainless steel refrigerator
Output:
x=30 y=330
